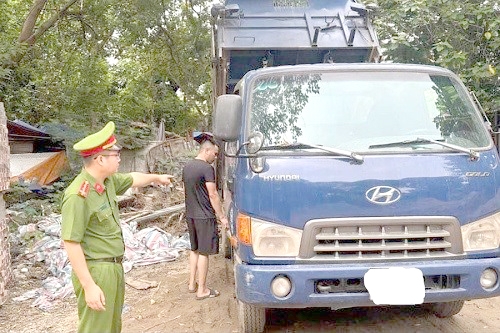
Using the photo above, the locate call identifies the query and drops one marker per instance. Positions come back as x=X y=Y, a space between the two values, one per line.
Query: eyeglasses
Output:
x=116 y=154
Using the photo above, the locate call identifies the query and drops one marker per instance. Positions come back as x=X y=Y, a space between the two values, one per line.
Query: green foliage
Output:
x=463 y=36
x=105 y=61
x=30 y=204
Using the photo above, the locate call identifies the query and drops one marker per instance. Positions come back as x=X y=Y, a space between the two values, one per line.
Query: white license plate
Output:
x=395 y=286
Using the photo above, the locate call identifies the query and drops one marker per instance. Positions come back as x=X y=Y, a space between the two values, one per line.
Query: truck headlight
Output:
x=483 y=234
x=273 y=240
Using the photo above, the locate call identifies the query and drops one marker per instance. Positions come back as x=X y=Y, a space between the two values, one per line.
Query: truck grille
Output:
x=365 y=239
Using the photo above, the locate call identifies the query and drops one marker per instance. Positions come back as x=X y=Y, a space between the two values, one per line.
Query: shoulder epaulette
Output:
x=84 y=189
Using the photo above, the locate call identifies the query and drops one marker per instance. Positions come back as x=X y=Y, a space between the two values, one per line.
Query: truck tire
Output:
x=252 y=319
x=446 y=309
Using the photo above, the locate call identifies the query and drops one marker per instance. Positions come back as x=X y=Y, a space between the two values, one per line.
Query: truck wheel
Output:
x=446 y=309
x=252 y=319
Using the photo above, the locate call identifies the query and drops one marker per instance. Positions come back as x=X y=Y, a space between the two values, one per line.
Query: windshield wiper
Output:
x=300 y=145
x=472 y=153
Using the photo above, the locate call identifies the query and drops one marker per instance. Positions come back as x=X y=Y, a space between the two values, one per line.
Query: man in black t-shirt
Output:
x=203 y=208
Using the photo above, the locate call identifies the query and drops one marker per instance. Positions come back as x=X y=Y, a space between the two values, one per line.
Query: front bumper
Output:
x=253 y=282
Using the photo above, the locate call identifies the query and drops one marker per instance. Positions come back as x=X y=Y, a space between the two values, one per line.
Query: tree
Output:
x=460 y=35
x=171 y=41
x=30 y=32
x=82 y=63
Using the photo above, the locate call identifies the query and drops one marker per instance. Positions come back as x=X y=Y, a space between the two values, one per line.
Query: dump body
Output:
x=248 y=35
x=350 y=184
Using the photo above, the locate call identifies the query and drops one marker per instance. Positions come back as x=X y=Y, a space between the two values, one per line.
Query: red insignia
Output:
x=99 y=188
x=84 y=189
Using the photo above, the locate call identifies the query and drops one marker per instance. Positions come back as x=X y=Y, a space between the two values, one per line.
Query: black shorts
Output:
x=203 y=235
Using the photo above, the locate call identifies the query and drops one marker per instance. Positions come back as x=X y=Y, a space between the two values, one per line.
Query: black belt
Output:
x=116 y=260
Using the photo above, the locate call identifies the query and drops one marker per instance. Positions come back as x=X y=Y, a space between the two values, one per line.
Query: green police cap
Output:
x=97 y=142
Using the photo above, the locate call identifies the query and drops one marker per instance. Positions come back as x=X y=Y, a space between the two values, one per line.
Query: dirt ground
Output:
x=168 y=307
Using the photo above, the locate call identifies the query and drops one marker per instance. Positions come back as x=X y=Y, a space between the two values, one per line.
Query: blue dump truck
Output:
x=347 y=182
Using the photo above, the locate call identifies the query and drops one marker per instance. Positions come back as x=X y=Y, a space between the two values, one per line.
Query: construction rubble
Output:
x=146 y=246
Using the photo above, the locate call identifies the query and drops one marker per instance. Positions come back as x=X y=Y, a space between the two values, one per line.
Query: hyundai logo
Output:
x=383 y=195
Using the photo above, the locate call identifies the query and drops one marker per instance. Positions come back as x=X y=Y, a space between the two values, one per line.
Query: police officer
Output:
x=91 y=230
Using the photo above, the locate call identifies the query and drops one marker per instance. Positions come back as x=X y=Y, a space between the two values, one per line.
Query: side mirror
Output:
x=227 y=118
x=254 y=143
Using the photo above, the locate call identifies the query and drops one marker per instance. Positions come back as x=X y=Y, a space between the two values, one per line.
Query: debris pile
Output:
x=144 y=246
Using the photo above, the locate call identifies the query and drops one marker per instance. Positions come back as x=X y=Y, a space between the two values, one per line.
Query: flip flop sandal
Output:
x=213 y=293
x=192 y=291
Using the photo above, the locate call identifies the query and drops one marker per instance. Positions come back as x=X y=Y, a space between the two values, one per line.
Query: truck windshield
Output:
x=364 y=111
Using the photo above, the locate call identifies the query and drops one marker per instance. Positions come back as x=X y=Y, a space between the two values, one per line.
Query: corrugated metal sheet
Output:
x=20 y=129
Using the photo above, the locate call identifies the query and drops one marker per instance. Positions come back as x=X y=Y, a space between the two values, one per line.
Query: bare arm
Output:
x=143 y=179
x=93 y=294
x=216 y=203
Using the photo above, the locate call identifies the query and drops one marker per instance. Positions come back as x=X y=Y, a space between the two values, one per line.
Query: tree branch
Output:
x=29 y=24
